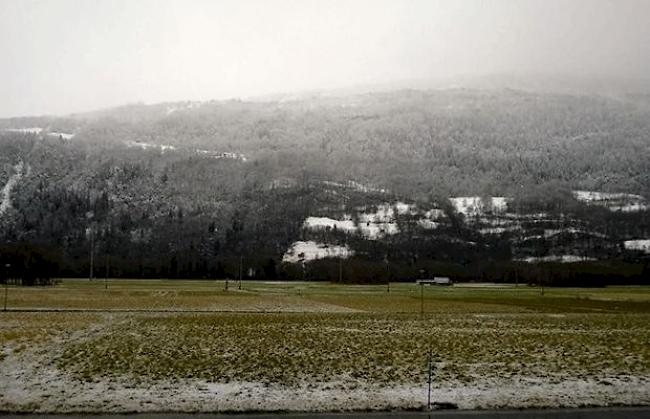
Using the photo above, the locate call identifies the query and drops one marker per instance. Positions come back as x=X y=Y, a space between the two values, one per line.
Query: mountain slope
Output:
x=185 y=189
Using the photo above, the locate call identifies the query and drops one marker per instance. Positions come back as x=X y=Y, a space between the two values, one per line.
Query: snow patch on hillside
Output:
x=623 y=202
x=30 y=130
x=223 y=155
x=548 y=233
x=377 y=223
x=147 y=146
x=166 y=147
x=63 y=135
x=643 y=245
x=471 y=206
x=5 y=204
x=305 y=251
x=375 y=231
x=428 y=224
x=325 y=223
x=353 y=185
x=555 y=258
x=381 y=222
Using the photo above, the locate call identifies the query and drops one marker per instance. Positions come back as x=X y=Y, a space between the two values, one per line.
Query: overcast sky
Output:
x=61 y=56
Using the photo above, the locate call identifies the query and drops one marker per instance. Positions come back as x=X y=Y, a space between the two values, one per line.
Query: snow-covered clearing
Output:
x=492 y=230
x=548 y=233
x=643 y=245
x=555 y=258
x=5 y=203
x=166 y=147
x=310 y=250
x=147 y=146
x=615 y=202
x=377 y=230
x=428 y=224
x=64 y=135
x=353 y=185
x=30 y=130
x=376 y=223
x=472 y=206
x=324 y=223
x=223 y=155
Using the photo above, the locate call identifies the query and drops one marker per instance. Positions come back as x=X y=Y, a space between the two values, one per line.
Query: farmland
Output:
x=133 y=345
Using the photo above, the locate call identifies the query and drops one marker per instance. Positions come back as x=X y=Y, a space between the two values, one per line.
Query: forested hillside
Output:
x=555 y=186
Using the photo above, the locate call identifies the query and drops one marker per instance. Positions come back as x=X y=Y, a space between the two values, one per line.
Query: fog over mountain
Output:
x=71 y=56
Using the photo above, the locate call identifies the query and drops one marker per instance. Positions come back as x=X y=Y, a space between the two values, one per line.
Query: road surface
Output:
x=595 y=413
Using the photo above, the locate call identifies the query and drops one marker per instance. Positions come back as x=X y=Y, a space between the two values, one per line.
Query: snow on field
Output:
x=5 y=204
x=623 y=202
x=471 y=206
x=31 y=382
x=31 y=130
x=555 y=258
x=643 y=245
x=311 y=250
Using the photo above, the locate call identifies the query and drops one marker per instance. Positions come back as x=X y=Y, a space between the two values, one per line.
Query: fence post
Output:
x=429 y=382
x=421 y=299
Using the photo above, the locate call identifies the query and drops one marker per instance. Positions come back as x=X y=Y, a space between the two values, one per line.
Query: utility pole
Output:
x=108 y=261
x=387 y=275
x=516 y=277
x=421 y=299
x=92 y=252
x=430 y=372
x=7 y=266
x=241 y=262
x=340 y=270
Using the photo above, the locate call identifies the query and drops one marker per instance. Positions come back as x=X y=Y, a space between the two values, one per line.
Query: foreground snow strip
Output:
x=31 y=386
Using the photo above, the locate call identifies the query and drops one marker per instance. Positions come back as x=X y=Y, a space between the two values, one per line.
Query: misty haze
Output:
x=324 y=206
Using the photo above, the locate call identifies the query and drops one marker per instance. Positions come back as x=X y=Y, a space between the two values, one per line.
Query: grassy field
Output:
x=297 y=335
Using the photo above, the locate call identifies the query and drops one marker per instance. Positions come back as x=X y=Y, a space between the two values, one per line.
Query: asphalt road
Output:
x=597 y=413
